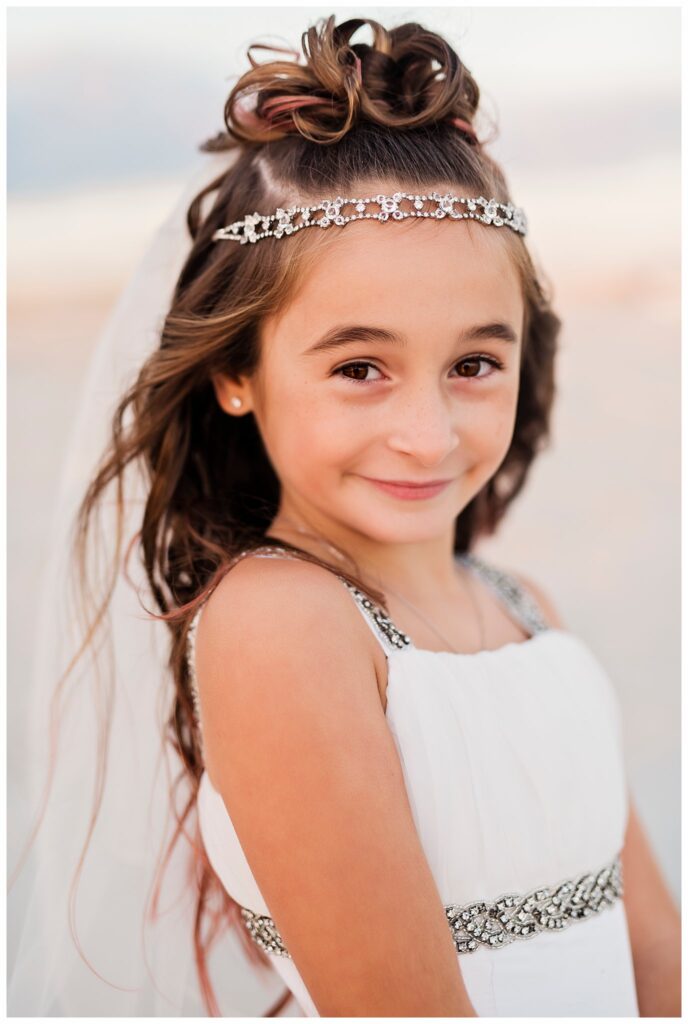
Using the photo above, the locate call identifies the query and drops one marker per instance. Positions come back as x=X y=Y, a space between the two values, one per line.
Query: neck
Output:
x=419 y=570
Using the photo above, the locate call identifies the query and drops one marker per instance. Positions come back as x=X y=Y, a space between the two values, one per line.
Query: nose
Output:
x=425 y=427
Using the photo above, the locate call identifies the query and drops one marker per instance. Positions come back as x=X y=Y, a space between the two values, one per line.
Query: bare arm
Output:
x=298 y=745
x=654 y=925
x=654 y=922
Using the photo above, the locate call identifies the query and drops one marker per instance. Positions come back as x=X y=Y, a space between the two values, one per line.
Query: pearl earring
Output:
x=236 y=402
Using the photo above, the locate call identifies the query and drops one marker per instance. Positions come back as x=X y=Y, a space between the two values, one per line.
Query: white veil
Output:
x=156 y=971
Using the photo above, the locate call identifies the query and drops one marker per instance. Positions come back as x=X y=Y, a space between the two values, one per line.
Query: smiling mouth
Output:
x=406 y=491
x=408 y=483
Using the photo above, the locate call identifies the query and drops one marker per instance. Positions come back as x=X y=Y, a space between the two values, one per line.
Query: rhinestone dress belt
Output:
x=494 y=924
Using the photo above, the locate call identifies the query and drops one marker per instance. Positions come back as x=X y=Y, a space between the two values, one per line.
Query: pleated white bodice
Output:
x=514 y=765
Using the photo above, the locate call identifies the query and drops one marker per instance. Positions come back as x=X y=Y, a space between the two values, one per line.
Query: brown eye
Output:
x=357 y=371
x=360 y=370
x=473 y=363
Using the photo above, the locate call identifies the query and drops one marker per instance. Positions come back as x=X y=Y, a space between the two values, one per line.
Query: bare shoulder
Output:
x=273 y=623
x=272 y=613
x=542 y=599
x=282 y=592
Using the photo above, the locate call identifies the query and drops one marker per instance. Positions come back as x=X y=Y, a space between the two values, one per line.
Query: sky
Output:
x=102 y=95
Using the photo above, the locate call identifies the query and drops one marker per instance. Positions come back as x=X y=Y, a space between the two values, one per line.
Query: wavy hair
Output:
x=402 y=109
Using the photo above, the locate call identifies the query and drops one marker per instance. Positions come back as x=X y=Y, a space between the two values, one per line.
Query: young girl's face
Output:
x=434 y=404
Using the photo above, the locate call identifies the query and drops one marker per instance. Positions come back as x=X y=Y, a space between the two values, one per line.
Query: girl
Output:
x=408 y=774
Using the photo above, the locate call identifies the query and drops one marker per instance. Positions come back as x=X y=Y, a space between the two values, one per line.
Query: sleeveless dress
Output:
x=513 y=762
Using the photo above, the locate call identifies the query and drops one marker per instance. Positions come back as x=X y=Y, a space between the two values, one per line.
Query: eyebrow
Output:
x=349 y=334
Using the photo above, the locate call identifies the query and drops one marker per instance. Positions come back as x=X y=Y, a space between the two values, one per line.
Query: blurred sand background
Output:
x=105 y=109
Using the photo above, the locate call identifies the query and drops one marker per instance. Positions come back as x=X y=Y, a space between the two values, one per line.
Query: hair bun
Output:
x=408 y=78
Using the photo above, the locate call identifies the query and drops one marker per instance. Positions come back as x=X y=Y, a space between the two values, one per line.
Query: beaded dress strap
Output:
x=517 y=599
x=191 y=670
x=519 y=602
x=390 y=636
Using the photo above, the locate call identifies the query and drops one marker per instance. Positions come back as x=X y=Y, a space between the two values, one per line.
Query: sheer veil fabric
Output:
x=149 y=972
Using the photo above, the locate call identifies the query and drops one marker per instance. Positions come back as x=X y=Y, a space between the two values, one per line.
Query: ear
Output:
x=228 y=389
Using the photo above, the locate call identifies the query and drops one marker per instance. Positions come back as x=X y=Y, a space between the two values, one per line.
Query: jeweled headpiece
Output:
x=256 y=226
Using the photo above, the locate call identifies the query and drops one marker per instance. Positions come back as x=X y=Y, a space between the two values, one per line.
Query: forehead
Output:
x=405 y=275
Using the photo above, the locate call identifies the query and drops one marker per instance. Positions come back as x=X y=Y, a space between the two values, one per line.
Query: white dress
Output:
x=513 y=762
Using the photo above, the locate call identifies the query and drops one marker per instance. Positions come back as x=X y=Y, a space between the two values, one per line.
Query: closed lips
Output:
x=409 y=483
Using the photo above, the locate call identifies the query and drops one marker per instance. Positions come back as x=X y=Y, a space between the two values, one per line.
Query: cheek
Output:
x=307 y=432
x=488 y=426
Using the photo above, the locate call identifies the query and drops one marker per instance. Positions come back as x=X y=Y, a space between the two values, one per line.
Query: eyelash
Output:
x=496 y=363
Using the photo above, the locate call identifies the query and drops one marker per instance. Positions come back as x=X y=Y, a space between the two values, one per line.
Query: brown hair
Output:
x=398 y=109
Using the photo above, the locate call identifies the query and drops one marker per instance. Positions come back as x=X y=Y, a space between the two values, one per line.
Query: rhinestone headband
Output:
x=285 y=222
